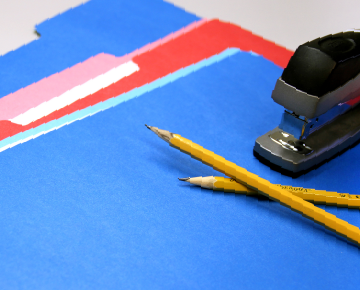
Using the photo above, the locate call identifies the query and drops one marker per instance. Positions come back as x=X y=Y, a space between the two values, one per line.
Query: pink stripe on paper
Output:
x=53 y=86
x=33 y=95
x=166 y=39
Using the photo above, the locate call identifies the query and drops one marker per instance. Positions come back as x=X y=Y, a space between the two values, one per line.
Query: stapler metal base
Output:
x=323 y=143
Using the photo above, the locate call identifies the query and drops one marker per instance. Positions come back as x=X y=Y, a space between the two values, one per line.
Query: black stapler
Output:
x=320 y=90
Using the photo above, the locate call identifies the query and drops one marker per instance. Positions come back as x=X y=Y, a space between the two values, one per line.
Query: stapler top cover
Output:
x=321 y=74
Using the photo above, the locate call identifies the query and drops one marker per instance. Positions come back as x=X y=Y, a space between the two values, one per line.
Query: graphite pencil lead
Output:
x=148 y=127
x=184 y=179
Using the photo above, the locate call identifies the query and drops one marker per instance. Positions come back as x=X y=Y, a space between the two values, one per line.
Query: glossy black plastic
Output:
x=324 y=64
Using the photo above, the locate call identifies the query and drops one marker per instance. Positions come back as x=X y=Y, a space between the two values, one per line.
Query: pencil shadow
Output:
x=262 y=202
x=177 y=162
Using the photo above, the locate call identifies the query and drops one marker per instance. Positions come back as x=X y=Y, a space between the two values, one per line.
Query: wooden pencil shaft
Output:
x=312 y=195
x=264 y=187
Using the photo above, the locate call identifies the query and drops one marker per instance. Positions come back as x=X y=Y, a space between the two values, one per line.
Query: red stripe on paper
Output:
x=200 y=43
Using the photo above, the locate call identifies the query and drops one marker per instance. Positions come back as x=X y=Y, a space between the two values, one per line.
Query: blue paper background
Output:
x=97 y=204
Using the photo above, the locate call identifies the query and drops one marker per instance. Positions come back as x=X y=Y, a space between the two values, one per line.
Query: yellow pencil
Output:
x=218 y=183
x=261 y=185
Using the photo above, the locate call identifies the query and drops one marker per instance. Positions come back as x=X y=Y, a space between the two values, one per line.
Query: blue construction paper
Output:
x=97 y=205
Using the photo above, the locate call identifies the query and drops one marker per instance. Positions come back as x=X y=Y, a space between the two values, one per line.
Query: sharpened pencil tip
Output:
x=184 y=179
x=163 y=134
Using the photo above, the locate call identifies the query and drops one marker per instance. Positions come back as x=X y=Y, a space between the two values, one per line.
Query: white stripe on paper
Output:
x=77 y=93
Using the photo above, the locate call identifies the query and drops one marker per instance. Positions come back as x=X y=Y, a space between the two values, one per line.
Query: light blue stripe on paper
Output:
x=54 y=124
